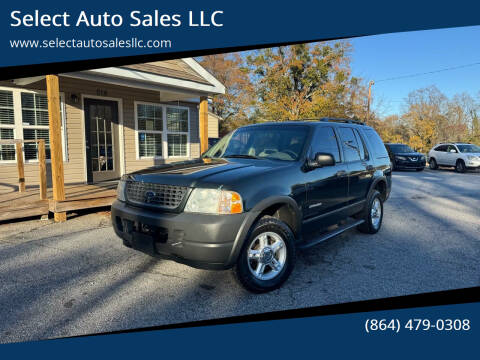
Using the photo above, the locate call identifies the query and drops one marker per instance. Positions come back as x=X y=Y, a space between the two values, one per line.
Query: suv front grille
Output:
x=165 y=196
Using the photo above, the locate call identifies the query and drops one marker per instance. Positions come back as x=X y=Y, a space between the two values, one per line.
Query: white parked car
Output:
x=462 y=156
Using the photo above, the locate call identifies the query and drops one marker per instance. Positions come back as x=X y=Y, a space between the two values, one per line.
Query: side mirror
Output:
x=321 y=160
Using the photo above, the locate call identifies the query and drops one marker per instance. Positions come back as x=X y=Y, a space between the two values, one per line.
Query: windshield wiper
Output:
x=241 y=156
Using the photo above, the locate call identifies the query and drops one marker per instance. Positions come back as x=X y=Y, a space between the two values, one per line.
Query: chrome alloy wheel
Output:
x=267 y=255
x=376 y=213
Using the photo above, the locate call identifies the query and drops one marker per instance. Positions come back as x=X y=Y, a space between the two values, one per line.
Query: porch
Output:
x=17 y=205
x=97 y=125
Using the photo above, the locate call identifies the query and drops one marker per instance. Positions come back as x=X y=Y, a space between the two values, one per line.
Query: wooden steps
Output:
x=15 y=205
x=32 y=208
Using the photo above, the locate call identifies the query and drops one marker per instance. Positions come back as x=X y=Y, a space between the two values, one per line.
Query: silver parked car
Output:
x=462 y=156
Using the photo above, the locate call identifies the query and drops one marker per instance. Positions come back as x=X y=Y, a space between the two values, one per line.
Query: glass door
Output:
x=101 y=122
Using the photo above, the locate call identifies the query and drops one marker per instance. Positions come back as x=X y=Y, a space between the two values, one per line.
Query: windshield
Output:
x=401 y=148
x=262 y=142
x=469 y=148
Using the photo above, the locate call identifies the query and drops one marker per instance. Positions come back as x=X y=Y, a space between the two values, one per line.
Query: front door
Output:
x=326 y=187
x=101 y=140
x=450 y=156
x=441 y=154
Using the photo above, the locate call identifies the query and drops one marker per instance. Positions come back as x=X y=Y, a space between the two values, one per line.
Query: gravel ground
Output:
x=76 y=278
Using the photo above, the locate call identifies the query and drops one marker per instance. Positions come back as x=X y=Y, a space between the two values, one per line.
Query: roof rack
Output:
x=330 y=119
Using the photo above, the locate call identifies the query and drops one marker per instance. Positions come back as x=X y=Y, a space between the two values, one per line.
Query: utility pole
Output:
x=369 y=99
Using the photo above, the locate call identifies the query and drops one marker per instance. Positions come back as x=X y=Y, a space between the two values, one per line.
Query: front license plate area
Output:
x=143 y=243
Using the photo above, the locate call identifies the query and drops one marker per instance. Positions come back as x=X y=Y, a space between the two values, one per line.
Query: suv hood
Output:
x=212 y=171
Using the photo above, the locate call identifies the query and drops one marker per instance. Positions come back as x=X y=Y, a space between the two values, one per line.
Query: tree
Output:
x=470 y=110
x=430 y=117
x=306 y=81
x=426 y=117
x=475 y=136
x=392 y=129
x=461 y=113
x=235 y=106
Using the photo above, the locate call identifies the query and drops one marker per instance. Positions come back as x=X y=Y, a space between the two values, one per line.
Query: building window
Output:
x=30 y=123
x=162 y=129
x=150 y=128
x=7 y=124
x=177 y=145
x=177 y=131
x=7 y=152
x=35 y=123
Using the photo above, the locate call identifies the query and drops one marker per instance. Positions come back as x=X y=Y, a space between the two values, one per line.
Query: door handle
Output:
x=341 y=173
x=369 y=167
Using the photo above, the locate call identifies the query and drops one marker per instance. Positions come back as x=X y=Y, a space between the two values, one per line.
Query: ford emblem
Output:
x=150 y=196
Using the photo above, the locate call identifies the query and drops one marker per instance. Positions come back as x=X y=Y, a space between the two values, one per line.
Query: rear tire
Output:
x=433 y=164
x=267 y=257
x=460 y=166
x=373 y=214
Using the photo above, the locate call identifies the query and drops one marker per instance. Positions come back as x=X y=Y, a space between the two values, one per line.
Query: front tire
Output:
x=373 y=215
x=267 y=257
x=460 y=166
x=433 y=164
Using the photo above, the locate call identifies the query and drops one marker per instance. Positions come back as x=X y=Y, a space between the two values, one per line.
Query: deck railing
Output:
x=19 y=149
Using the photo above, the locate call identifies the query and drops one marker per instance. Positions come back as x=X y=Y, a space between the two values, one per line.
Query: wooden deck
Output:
x=16 y=205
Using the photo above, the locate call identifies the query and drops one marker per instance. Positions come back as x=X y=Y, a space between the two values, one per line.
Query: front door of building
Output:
x=101 y=140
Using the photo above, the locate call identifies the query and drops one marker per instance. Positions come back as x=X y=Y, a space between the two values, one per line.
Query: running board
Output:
x=331 y=234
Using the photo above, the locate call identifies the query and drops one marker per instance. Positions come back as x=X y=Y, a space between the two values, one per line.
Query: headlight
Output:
x=422 y=157
x=121 y=190
x=473 y=157
x=213 y=201
x=400 y=158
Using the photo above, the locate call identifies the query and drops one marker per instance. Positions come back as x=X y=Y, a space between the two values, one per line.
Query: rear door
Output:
x=440 y=154
x=327 y=186
x=365 y=156
x=391 y=155
x=359 y=171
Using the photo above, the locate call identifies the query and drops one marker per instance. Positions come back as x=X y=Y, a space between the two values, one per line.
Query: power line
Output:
x=428 y=72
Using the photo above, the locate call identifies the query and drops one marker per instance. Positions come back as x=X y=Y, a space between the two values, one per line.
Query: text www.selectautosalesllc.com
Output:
x=57 y=43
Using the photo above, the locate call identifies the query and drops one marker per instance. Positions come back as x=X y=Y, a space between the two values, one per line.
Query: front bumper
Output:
x=199 y=240
x=472 y=164
x=407 y=164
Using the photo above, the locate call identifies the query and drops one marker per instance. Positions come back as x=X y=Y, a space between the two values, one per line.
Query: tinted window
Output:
x=400 y=148
x=441 y=148
x=270 y=142
x=450 y=148
x=469 y=148
x=363 y=148
x=376 y=143
x=350 y=145
x=325 y=141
